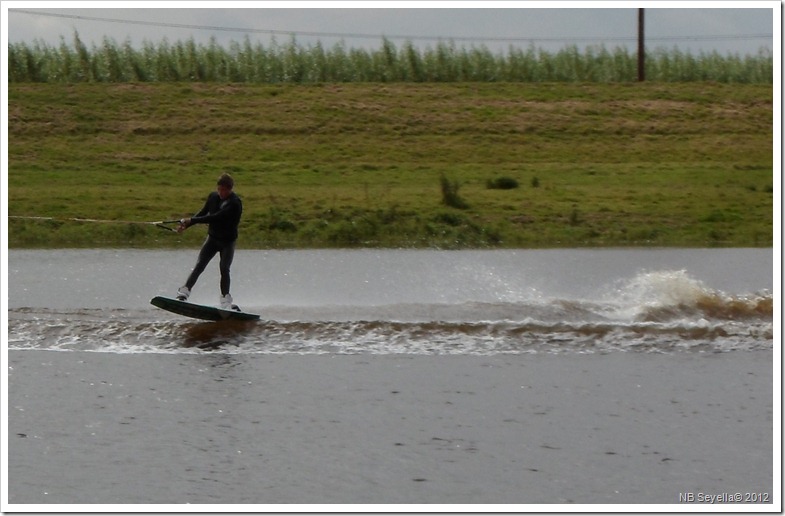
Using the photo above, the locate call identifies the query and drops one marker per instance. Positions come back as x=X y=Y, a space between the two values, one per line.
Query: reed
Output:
x=294 y=63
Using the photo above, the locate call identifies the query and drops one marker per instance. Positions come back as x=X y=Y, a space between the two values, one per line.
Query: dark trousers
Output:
x=210 y=248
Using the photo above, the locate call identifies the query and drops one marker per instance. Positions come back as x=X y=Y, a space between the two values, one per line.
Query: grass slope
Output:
x=342 y=165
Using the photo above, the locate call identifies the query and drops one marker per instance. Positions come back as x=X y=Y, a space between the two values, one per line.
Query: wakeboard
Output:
x=204 y=312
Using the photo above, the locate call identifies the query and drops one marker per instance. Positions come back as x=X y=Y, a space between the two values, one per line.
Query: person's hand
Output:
x=184 y=224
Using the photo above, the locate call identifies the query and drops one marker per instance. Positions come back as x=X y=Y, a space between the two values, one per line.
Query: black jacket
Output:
x=222 y=216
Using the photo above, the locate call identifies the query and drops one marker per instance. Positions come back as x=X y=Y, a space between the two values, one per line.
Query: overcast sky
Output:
x=700 y=27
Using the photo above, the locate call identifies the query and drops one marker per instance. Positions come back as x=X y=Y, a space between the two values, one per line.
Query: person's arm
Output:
x=223 y=213
x=227 y=211
x=188 y=221
x=205 y=209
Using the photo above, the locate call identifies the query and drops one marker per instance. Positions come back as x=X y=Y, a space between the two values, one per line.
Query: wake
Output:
x=657 y=312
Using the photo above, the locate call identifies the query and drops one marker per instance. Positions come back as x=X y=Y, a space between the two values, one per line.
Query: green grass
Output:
x=342 y=165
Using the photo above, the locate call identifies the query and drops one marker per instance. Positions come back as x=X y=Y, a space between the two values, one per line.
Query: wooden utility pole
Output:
x=641 y=48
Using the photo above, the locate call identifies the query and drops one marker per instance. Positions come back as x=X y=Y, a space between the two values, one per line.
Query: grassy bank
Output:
x=687 y=164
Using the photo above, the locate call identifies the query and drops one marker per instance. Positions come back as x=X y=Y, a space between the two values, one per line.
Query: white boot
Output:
x=183 y=293
x=227 y=303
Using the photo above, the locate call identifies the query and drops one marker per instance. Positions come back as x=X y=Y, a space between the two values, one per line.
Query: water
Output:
x=391 y=302
x=392 y=377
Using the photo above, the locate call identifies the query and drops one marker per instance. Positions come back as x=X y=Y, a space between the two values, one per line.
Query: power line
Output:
x=389 y=36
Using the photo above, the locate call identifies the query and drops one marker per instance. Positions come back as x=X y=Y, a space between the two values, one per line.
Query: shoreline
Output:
x=191 y=246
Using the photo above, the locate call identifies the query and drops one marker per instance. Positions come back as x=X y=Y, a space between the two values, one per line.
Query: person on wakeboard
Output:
x=222 y=212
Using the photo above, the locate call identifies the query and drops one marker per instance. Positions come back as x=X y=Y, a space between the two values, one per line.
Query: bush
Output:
x=502 y=183
x=450 y=219
x=280 y=222
x=450 y=195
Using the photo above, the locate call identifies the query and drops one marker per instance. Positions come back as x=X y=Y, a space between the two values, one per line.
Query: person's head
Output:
x=225 y=186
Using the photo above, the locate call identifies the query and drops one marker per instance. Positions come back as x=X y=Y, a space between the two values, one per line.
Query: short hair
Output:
x=226 y=180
